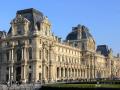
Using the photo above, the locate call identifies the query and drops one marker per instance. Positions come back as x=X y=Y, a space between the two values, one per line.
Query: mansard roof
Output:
x=31 y=14
x=2 y=34
x=103 y=49
x=79 y=32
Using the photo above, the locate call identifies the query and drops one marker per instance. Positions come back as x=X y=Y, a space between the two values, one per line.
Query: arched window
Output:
x=38 y=25
x=72 y=72
x=61 y=72
x=66 y=72
x=69 y=72
x=46 y=72
x=57 y=72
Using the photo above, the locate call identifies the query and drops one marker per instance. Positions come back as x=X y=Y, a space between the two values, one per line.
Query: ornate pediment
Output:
x=20 y=25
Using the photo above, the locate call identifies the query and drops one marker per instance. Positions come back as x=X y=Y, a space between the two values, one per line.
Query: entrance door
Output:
x=30 y=77
x=18 y=74
x=7 y=77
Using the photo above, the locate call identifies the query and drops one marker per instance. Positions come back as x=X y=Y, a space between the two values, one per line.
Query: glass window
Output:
x=0 y=57
x=30 y=53
x=39 y=76
x=58 y=58
x=7 y=56
x=40 y=54
x=40 y=41
x=30 y=41
x=83 y=46
x=19 y=54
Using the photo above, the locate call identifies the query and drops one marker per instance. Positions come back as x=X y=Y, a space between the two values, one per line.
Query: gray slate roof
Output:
x=33 y=15
x=79 y=32
x=103 y=49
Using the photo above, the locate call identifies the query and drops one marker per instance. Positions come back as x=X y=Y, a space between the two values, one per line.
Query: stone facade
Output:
x=29 y=52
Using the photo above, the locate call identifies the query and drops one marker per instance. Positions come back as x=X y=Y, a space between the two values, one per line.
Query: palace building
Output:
x=30 y=52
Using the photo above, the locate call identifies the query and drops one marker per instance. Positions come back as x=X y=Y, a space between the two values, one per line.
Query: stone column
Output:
x=59 y=73
x=74 y=73
x=70 y=73
x=22 y=74
x=43 y=78
x=63 y=72
x=49 y=73
x=11 y=66
x=77 y=73
x=50 y=64
x=67 y=73
x=23 y=66
x=22 y=53
x=34 y=72
x=10 y=55
x=80 y=73
x=9 y=73
x=85 y=73
x=52 y=74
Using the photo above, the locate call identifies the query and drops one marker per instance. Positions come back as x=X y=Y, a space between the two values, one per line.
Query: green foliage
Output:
x=83 y=86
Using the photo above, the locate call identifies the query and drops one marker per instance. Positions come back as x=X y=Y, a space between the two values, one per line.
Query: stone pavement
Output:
x=21 y=87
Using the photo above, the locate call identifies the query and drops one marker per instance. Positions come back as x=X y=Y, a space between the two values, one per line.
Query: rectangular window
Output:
x=7 y=56
x=30 y=41
x=7 y=43
x=0 y=57
x=39 y=76
x=30 y=77
x=59 y=58
x=7 y=77
x=40 y=41
x=40 y=54
x=30 y=53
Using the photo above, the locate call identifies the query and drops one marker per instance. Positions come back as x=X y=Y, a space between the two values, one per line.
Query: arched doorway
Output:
x=47 y=72
x=61 y=72
x=57 y=72
x=18 y=74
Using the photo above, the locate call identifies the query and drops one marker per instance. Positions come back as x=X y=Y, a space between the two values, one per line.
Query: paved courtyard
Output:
x=21 y=87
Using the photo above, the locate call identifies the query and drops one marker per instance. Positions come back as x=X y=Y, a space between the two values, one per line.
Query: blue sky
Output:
x=102 y=17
